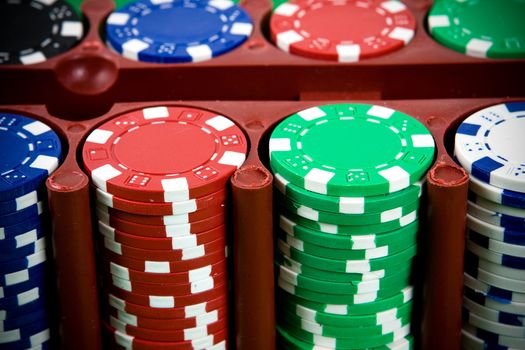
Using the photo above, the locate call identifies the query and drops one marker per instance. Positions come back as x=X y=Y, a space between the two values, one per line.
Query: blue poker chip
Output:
x=12 y=231
x=19 y=288
x=30 y=152
x=501 y=306
x=489 y=144
x=10 y=245
x=177 y=30
x=27 y=262
x=20 y=203
x=15 y=311
x=23 y=320
x=27 y=336
x=24 y=275
x=14 y=302
x=24 y=214
x=22 y=252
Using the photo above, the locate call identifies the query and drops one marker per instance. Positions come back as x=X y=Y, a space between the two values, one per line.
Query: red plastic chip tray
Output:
x=257 y=85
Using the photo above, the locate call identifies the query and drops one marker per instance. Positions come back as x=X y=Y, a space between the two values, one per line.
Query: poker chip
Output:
x=37 y=31
x=308 y=149
x=461 y=26
x=177 y=31
x=20 y=203
x=494 y=338
x=493 y=315
x=153 y=172
x=495 y=327
x=473 y=263
x=500 y=305
x=497 y=219
x=488 y=145
x=160 y=205
x=172 y=208
x=185 y=312
x=496 y=194
x=215 y=341
x=125 y=318
x=347 y=230
x=342 y=31
x=30 y=151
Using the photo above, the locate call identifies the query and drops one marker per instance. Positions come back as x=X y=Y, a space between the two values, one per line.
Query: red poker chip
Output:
x=186 y=312
x=172 y=335
x=181 y=277
x=119 y=340
x=163 y=267
x=163 y=220
x=169 y=289
x=164 y=154
x=162 y=230
x=165 y=255
x=168 y=324
x=165 y=208
x=163 y=302
x=341 y=30
x=171 y=243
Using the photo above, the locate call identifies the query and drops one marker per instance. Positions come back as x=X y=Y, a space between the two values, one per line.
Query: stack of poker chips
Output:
x=160 y=178
x=490 y=146
x=34 y=31
x=29 y=152
x=348 y=186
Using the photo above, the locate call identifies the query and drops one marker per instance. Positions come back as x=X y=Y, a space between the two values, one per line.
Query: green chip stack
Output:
x=348 y=189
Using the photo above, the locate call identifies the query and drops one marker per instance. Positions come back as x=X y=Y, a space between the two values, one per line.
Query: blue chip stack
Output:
x=490 y=145
x=29 y=152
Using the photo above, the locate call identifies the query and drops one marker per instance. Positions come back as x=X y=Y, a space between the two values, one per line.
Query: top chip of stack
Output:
x=29 y=151
x=490 y=146
x=471 y=27
x=177 y=31
x=160 y=177
x=342 y=31
x=33 y=31
x=348 y=180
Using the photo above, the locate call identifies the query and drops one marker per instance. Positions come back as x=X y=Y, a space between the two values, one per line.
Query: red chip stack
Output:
x=160 y=176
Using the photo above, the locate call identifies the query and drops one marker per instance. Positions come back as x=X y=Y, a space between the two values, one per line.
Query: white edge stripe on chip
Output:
x=285 y=39
x=103 y=174
x=231 y=158
x=155 y=112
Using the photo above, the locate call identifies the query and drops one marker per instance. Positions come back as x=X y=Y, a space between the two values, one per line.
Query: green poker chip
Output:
x=346 y=266
x=348 y=254
x=324 y=297
x=343 y=331
x=344 y=309
x=345 y=343
x=347 y=205
x=288 y=342
x=351 y=150
x=353 y=242
x=480 y=28
x=355 y=287
x=352 y=229
x=339 y=277
x=324 y=319
x=346 y=219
